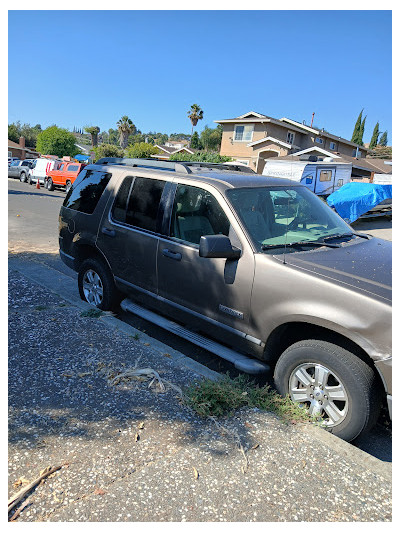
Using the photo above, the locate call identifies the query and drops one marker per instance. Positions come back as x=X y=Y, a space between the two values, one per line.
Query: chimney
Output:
x=22 y=142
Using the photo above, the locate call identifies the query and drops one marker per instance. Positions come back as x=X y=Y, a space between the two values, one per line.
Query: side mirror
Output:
x=218 y=246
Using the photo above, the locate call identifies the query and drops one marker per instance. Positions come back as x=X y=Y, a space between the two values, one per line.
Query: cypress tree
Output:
x=356 y=131
x=383 y=139
x=361 y=134
x=374 y=138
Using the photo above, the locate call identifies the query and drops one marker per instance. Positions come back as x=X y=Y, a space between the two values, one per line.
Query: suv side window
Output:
x=72 y=168
x=195 y=213
x=143 y=203
x=87 y=190
x=118 y=210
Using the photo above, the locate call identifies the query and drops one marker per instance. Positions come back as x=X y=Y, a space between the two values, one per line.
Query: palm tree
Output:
x=94 y=132
x=125 y=128
x=195 y=114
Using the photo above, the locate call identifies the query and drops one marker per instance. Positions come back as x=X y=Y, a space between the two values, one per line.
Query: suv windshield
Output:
x=279 y=216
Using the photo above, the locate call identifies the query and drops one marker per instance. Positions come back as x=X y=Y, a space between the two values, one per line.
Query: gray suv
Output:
x=257 y=270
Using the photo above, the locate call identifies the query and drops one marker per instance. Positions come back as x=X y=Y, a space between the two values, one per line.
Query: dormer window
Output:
x=290 y=137
x=243 y=133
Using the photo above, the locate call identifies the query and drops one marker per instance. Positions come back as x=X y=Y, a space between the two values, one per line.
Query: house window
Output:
x=332 y=146
x=290 y=137
x=244 y=133
x=319 y=140
x=354 y=153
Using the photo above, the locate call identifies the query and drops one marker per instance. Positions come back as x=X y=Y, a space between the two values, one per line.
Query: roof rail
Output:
x=219 y=166
x=147 y=163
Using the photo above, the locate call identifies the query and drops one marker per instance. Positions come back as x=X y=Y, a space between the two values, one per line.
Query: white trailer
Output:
x=322 y=177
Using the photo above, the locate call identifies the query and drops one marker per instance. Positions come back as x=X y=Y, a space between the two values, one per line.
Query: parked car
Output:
x=260 y=265
x=63 y=176
x=40 y=169
x=11 y=159
x=20 y=169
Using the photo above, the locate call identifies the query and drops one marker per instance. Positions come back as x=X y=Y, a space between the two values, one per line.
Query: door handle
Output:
x=172 y=255
x=109 y=232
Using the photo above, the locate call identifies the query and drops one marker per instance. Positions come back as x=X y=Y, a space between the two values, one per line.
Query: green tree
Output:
x=14 y=132
x=195 y=114
x=208 y=157
x=211 y=138
x=196 y=143
x=356 y=132
x=141 y=150
x=384 y=139
x=374 y=138
x=125 y=128
x=94 y=133
x=56 y=141
x=362 y=128
x=107 y=150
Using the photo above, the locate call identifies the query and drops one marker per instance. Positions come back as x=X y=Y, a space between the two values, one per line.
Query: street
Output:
x=33 y=232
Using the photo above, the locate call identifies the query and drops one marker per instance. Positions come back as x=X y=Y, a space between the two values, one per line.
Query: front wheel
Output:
x=22 y=177
x=96 y=284
x=332 y=383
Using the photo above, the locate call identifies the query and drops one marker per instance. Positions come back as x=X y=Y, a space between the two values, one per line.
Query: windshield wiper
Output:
x=299 y=244
x=336 y=236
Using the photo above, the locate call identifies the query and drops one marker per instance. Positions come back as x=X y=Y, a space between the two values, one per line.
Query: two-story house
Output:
x=252 y=138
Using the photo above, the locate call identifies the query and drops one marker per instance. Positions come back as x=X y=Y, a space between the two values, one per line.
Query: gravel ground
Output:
x=131 y=452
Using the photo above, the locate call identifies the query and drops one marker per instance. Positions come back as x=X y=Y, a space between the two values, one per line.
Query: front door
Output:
x=128 y=233
x=217 y=289
x=325 y=181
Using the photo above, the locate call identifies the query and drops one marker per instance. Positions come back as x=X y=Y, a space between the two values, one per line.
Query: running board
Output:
x=241 y=362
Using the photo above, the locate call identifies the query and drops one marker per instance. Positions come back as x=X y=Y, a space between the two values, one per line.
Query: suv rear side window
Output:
x=143 y=203
x=87 y=190
x=118 y=211
x=72 y=168
x=195 y=213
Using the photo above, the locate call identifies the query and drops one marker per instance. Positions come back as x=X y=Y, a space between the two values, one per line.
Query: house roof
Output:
x=172 y=150
x=317 y=149
x=252 y=117
x=276 y=141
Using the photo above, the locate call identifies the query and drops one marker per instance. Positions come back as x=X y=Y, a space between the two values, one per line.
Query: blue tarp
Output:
x=354 y=199
x=81 y=157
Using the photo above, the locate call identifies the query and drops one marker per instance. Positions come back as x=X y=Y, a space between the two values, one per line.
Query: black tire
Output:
x=109 y=296
x=22 y=177
x=361 y=405
x=49 y=184
x=68 y=185
x=29 y=180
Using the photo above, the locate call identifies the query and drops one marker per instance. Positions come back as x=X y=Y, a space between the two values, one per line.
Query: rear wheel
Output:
x=49 y=184
x=96 y=284
x=68 y=185
x=333 y=384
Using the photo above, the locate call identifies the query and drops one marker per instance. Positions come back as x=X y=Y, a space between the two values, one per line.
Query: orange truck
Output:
x=63 y=175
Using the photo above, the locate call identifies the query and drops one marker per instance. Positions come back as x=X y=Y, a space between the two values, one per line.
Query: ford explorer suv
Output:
x=258 y=270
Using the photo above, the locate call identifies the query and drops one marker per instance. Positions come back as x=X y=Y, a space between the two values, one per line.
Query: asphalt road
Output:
x=33 y=228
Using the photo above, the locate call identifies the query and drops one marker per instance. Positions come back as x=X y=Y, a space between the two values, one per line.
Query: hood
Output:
x=365 y=265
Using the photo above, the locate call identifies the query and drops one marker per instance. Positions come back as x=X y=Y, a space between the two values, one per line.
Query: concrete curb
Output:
x=66 y=287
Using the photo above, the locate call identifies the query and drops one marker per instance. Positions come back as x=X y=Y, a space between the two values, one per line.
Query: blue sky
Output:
x=92 y=67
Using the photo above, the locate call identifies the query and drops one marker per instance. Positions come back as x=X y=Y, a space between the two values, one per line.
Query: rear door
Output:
x=129 y=232
x=325 y=180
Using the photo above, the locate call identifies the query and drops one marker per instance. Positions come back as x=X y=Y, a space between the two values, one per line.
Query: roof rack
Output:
x=146 y=163
x=219 y=166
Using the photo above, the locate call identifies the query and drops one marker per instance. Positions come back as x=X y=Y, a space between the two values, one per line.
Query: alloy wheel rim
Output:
x=92 y=287
x=319 y=390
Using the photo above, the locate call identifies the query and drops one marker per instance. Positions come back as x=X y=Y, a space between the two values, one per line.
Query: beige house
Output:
x=252 y=138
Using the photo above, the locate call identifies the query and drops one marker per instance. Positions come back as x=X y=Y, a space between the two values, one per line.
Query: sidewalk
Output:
x=133 y=453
